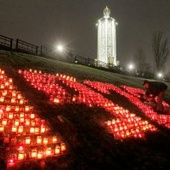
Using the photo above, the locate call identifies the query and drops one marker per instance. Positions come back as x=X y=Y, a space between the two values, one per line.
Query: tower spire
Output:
x=106 y=12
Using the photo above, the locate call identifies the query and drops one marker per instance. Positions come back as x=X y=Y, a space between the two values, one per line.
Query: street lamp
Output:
x=160 y=75
x=131 y=67
x=60 y=48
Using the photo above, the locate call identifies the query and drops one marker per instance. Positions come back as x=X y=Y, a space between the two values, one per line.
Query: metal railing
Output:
x=5 y=42
x=26 y=47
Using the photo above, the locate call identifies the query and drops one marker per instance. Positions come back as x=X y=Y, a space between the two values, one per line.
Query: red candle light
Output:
x=39 y=139
x=34 y=153
x=20 y=129
x=1 y=128
x=28 y=140
x=21 y=156
x=57 y=149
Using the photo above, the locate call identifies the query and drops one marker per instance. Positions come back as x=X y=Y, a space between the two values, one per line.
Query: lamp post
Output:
x=65 y=53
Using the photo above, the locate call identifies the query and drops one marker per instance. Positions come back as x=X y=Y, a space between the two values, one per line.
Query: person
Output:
x=154 y=93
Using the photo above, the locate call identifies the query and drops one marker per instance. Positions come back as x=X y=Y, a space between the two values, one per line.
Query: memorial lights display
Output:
x=133 y=95
x=124 y=125
x=25 y=136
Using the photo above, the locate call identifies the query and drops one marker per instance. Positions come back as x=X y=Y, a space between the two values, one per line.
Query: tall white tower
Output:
x=106 y=40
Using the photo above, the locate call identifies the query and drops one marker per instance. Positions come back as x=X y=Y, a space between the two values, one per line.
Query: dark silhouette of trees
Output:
x=160 y=50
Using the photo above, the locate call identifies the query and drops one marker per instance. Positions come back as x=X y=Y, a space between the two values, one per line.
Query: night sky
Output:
x=73 y=23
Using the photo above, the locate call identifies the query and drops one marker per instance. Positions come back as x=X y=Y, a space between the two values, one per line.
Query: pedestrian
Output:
x=155 y=93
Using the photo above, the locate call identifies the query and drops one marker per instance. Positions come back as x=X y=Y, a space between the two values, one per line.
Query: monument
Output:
x=106 y=40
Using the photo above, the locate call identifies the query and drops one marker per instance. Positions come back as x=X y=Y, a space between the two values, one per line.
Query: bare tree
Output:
x=160 y=50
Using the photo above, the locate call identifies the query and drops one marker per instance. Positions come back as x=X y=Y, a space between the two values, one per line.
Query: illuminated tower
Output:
x=106 y=40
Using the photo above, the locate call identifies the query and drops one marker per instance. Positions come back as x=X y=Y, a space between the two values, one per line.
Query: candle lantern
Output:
x=16 y=123
x=27 y=122
x=1 y=128
x=43 y=129
x=21 y=155
x=20 y=129
x=39 y=139
x=63 y=147
x=4 y=122
x=28 y=140
x=45 y=141
x=10 y=115
x=48 y=151
x=57 y=149
x=37 y=130
x=32 y=130
x=34 y=153
x=40 y=154
x=54 y=139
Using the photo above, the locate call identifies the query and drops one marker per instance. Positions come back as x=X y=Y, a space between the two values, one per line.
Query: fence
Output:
x=5 y=42
x=25 y=47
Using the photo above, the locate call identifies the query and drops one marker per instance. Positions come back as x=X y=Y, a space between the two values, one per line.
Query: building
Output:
x=106 y=40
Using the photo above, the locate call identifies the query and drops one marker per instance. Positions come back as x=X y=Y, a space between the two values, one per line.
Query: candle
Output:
x=27 y=140
x=34 y=153
x=39 y=139
x=21 y=155
x=57 y=149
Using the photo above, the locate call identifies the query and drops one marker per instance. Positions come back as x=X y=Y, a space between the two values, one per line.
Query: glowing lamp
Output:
x=27 y=140
x=54 y=139
x=63 y=147
x=13 y=100
x=57 y=149
x=16 y=123
x=22 y=115
x=6 y=83
x=2 y=86
x=43 y=129
x=37 y=130
x=2 y=99
x=10 y=116
x=10 y=80
x=21 y=156
x=27 y=108
x=21 y=119
x=45 y=141
x=21 y=101
x=48 y=152
x=8 y=108
x=1 y=128
x=32 y=116
x=40 y=155
x=32 y=130
x=27 y=122
x=34 y=153
x=19 y=96
x=20 y=129
x=17 y=108
x=4 y=122
x=39 y=139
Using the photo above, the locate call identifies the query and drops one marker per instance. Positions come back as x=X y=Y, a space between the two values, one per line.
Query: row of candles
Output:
x=25 y=135
x=133 y=95
x=147 y=110
x=124 y=126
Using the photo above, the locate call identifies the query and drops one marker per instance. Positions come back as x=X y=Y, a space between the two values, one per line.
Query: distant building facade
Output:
x=106 y=40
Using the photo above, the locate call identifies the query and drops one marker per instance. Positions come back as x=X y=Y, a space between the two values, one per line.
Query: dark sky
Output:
x=72 y=22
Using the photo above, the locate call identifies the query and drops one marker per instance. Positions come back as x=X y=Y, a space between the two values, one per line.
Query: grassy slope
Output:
x=91 y=147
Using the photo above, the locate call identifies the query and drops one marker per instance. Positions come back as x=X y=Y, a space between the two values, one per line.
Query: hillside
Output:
x=136 y=139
